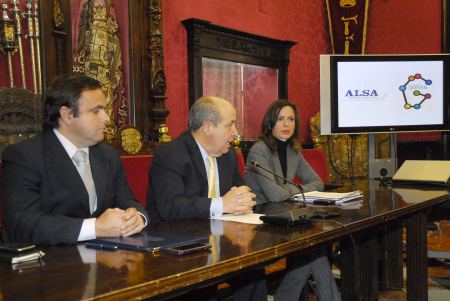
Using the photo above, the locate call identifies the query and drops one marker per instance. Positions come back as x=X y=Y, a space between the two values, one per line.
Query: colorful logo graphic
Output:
x=416 y=89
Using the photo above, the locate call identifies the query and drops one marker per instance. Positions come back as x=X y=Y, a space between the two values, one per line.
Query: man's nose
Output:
x=105 y=117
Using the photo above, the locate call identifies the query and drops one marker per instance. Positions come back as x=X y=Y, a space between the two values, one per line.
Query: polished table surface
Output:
x=74 y=272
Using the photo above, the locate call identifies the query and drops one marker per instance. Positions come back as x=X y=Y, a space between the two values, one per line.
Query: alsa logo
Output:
x=361 y=93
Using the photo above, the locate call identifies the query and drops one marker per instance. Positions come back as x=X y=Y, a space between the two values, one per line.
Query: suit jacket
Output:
x=269 y=188
x=44 y=198
x=178 y=185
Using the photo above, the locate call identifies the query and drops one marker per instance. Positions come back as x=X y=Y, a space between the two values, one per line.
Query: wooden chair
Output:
x=20 y=115
x=240 y=162
x=20 y=118
x=136 y=168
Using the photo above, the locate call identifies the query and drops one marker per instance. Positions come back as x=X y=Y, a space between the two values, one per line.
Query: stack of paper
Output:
x=330 y=198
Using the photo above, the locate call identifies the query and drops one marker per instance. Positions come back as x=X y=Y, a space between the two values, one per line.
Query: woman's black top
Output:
x=282 y=155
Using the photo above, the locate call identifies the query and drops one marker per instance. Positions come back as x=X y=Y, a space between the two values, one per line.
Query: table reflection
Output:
x=241 y=235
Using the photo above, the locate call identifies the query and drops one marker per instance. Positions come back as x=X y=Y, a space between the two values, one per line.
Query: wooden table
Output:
x=119 y=275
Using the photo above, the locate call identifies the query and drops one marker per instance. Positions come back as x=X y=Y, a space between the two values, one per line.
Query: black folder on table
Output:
x=149 y=241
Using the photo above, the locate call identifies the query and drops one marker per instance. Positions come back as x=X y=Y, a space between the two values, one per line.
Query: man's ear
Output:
x=66 y=114
x=206 y=127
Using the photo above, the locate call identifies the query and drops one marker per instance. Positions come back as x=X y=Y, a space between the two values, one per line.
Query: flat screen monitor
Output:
x=384 y=93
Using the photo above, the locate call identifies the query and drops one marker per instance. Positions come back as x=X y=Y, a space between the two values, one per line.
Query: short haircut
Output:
x=269 y=121
x=66 y=91
x=204 y=109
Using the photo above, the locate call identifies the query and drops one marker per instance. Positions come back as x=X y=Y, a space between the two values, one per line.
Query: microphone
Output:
x=298 y=186
x=296 y=216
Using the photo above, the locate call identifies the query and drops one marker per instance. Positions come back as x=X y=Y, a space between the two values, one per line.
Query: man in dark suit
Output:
x=49 y=196
x=179 y=172
x=196 y=176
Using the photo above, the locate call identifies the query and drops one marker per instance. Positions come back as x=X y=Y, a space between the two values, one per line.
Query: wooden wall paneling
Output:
x=56 y=39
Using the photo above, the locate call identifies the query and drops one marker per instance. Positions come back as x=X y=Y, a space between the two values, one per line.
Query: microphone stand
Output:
x=298 y=186
x=299 y=213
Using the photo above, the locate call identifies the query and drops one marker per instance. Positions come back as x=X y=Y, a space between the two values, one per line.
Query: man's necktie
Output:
x=86 y=175
x=212 y=178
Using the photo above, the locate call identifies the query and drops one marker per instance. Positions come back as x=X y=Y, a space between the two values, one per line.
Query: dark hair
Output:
x=269 y=121
x=204 y=109
x=65 y=91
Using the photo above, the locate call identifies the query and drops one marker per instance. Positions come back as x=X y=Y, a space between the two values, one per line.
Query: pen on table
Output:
x=99 y=246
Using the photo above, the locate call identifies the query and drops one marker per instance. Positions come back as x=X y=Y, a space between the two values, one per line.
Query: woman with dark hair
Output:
x=278 y=150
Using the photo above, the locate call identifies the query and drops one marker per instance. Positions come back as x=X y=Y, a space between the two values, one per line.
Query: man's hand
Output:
x=239 y=200
x=134 y=222
x=109 y=223
x=117 y=222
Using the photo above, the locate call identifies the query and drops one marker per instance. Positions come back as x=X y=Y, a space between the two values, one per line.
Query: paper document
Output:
x=330 y=198
x=251 y=218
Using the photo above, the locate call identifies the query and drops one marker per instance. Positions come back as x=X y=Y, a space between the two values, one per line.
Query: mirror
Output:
x=250 y=88
x=246 y=69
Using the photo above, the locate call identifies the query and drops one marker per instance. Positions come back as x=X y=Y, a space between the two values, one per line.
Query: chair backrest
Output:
x=316 y=158
x=240 y=162
x=136 y=168
x=20 y=115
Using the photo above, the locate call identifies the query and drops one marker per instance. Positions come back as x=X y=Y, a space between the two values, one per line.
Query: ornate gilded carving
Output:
x=131 y=140
x=158 y=111
x=7 y=40
x=347 y=3
x=346 y=154
x=58 y=16
x=18 y=24
x=163 y=133
x=99 y=56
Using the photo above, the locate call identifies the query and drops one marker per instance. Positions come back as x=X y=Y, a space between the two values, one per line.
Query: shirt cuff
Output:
x=145 y=219
x=216 y=208
x=87 y=231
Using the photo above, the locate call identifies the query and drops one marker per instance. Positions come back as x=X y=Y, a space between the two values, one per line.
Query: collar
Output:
x=202 y=150
x=69 y=146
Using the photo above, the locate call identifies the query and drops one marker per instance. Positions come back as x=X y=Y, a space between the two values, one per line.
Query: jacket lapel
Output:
x=99 y=169
x=59 y=164
x=197 y=158
x=277 y=167
x=225 y=178
x=292 y=159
